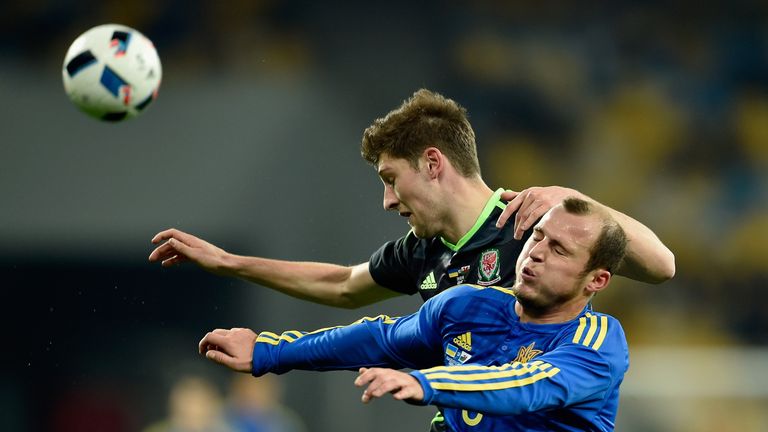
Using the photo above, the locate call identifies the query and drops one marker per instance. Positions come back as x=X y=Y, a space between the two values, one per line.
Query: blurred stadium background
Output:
x=659 y=110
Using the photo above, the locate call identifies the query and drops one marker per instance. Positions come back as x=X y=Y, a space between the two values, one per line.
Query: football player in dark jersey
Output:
x=425 y=154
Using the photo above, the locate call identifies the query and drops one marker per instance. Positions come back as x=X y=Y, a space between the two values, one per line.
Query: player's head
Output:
x=426 y=120
x=413 y=148
x=571 y=255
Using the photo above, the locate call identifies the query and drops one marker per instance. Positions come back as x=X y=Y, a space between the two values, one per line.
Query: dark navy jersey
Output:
x=485 y=256
x=496 y=373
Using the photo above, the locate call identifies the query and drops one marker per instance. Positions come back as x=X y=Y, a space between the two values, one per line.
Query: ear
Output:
x=434 y=161
x=597 y=280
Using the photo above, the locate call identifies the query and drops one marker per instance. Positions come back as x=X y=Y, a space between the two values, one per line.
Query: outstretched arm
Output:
x=380 y=341
x=647 y=259
x=329 y=284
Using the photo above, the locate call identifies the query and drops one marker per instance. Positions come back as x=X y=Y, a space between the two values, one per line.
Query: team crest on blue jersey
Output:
x=455 y=356
x=527 y=353
x=488 y=270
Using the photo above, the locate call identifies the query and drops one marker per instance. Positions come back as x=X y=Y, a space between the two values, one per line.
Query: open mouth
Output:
x=528 y=271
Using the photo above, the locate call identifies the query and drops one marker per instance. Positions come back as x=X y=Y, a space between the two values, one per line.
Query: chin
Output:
x=420 y=233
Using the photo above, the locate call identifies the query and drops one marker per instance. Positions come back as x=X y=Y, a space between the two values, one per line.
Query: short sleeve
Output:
x=393 y=265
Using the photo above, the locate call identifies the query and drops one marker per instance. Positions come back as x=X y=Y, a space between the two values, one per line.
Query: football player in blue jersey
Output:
x=535 y=357
x=426 y=156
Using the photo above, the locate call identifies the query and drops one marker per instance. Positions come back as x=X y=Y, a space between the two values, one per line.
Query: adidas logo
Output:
x=464 y=341
x=429 y=282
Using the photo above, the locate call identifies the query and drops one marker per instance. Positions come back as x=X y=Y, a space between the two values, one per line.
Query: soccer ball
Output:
x=112 y=72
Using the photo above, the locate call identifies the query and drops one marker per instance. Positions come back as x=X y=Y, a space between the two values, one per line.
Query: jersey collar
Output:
x=493 y=202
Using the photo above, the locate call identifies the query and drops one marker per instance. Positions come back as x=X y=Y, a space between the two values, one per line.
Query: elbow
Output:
x=670 y=268
x=348 y=300
x=665 y=270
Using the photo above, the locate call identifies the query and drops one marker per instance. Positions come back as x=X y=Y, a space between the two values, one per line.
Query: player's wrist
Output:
x=427 y=392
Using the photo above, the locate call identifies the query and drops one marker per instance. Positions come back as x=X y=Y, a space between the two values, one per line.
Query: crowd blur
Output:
x=659 y=110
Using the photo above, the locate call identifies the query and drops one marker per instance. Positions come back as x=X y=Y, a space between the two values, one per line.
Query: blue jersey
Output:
x=497 y=373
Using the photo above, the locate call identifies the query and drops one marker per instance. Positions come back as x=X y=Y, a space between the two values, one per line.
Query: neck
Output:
x=465 y=200
x=553 y=315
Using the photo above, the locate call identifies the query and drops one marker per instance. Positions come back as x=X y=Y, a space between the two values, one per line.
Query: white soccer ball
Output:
x=112 y=72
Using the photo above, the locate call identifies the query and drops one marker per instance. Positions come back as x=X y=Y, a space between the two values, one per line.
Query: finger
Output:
x=174 y=260
x=511 y=207
x=205 y=343
x=173 y=233
x=162 y=252
x=163 y=235
x=370 y=394
x=365 y=398
x=180 y=246
x=363 y=378
x=202 y=346
x=527 y=221
x=531 y=202
x=212 y=339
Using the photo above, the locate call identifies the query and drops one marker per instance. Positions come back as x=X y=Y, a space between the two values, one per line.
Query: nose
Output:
x=390 y=199
x=537 y=251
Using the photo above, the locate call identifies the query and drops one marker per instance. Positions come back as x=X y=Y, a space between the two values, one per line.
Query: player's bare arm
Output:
x=380 y=381
x=329 y=284
x=647 y=260
x=232 y=348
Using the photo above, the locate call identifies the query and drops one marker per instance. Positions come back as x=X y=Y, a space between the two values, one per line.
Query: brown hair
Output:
x=610 y=247
x=427 y=119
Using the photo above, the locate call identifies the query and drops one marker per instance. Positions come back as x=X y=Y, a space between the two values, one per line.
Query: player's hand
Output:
x=177 y=246
x=231 y=348
x=531 y=204
x=382 y=381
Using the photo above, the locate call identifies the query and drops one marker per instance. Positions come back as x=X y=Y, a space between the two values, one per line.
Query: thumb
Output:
x=508 y=195
x=219 y=357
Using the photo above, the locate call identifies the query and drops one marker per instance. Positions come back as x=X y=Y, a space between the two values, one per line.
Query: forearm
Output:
x=369 y=342
x=647 y=258
x=317 y=282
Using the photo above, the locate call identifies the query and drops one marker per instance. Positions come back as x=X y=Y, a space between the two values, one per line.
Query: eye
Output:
x=537 y=236
x=559 y=251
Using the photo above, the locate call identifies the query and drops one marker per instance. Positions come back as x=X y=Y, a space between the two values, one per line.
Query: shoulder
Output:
x=598 y=331
x=472 y=291
x=470 y=300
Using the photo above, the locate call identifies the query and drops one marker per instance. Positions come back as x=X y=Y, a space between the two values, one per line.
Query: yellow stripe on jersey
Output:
x=488 y=375
x=270 y=334
x=472 y=367
x=263 y=339
x=579 y=330
x=496 y=385
x=274 y=339
x=504 y=290
x=590 y=324
x=603 y=331
x=591 y=331
x=291 y=335
x=386 y=319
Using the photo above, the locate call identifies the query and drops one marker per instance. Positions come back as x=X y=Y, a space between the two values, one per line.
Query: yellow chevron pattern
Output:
x=589 y=326
x=291 y=335
x=545 y=370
